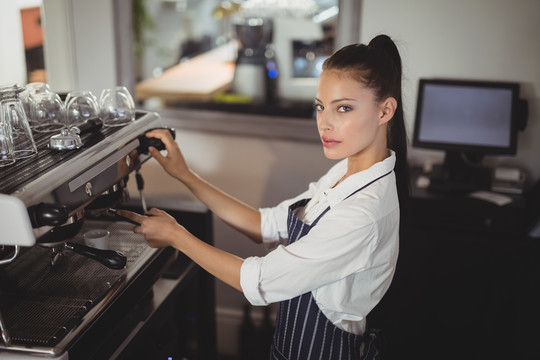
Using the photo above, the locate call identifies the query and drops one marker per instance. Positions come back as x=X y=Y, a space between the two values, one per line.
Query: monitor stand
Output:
x=460 y=173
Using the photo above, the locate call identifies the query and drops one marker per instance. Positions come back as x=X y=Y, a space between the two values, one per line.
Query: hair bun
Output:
x=383 y=44
x=380 y=42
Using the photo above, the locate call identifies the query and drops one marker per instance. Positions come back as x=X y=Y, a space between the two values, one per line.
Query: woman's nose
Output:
x=323 y=121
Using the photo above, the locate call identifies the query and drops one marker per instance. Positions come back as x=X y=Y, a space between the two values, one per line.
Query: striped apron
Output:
x=302 y=330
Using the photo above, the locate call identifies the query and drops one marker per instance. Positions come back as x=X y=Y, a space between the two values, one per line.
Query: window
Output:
x=253 y=56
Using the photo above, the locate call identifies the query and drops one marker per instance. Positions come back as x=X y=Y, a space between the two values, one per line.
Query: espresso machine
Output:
x=57 y=294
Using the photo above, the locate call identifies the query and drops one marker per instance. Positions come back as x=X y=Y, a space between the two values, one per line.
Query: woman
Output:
x=342 y=233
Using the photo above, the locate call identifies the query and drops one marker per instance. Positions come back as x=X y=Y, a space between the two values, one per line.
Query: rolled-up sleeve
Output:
x=273 y=228
x=249 y=280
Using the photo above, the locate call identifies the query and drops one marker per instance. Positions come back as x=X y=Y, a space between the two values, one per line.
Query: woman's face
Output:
x=348 y=117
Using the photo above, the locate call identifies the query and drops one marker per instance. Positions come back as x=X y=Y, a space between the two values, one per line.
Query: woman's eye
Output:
x=318 y=107
x=344 y=108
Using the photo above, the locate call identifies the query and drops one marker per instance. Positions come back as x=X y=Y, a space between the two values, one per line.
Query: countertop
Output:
x=197 y=79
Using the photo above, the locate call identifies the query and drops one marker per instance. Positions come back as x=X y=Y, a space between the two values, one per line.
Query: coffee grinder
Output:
x=256 y=71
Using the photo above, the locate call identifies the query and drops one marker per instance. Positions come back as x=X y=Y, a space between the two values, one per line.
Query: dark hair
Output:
x=378 y=66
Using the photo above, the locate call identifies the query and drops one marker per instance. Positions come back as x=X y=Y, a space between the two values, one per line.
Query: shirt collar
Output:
x=355 y=181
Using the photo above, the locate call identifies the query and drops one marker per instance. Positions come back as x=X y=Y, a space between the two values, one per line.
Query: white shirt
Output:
x=348 y=258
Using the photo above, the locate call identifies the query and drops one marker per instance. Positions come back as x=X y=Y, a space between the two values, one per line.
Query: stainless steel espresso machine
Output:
x=55 y=291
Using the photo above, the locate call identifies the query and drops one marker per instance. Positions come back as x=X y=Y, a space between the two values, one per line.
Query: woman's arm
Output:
x=237 y=214
x=161 y=230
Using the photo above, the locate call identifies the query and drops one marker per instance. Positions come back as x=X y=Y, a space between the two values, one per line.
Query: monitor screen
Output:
x=466 y=116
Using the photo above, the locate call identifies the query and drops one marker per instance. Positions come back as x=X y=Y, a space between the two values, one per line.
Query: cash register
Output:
x=468 y=120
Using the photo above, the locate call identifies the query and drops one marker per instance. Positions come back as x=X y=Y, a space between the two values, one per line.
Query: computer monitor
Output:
x=467 y=119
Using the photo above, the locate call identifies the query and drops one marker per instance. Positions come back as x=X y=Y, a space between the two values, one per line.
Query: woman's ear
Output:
x=388 y=108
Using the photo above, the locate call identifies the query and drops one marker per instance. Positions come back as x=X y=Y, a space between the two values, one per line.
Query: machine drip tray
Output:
x=41 y=303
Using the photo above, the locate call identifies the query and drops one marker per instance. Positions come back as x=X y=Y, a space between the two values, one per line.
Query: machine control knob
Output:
x=44 y=214
x=153 y=142
x=88 y=189
x=129 y=161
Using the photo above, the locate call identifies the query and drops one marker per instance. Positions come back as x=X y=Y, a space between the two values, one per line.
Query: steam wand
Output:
x=140 y=186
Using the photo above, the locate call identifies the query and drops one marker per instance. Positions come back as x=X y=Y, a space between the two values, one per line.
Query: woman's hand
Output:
x=174 y=162
x=162 y=230
x=159 y=228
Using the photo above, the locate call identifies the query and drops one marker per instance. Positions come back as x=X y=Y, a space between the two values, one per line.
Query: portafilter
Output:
x=65 y=227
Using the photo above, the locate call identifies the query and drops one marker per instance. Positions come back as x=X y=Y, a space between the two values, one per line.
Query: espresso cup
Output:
x=80 y=106
x=48 y=113
x=117 y=107
x=97 y=238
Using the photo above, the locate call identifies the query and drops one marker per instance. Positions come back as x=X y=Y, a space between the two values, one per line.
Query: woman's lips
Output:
x=329 y=142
